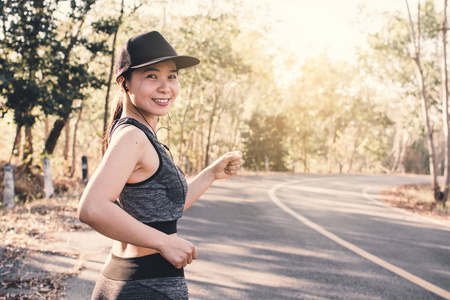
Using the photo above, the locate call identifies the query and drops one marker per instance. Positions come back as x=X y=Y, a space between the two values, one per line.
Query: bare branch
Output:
x=412 y=31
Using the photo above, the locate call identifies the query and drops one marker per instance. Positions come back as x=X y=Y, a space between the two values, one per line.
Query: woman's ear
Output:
x=121 y=81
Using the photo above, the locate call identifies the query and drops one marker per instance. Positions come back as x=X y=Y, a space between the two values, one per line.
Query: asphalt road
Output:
x=313 y=237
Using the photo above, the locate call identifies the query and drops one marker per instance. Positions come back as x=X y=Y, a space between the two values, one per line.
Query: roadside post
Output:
x=84 y=168
x=186 y=165
x=48 y=181
x=8 y=193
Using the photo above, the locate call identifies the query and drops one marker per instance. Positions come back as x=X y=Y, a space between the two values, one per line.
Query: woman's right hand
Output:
x=178 y=251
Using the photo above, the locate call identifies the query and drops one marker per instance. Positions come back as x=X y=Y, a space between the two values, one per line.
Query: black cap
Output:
x=147 y=49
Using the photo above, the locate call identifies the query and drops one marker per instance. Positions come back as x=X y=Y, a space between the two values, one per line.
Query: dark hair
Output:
x=116 y=111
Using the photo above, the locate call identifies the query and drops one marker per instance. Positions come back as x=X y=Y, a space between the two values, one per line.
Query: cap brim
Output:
x=181 y=61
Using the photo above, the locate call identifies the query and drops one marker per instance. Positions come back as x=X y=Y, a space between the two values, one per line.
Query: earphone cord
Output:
x=168 y=128
x=156 y=132
x=139 y=111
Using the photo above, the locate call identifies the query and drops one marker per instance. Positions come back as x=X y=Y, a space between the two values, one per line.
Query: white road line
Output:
x=408 y=276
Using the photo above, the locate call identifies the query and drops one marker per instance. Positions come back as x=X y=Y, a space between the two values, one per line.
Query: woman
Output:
x=137 y=194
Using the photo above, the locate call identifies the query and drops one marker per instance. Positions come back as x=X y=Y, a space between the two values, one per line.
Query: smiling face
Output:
x=154 y=88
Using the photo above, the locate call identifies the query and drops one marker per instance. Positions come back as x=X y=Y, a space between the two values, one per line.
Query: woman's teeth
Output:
x=161 y=100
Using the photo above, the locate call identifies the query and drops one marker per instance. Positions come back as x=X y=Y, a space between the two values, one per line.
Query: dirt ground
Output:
x=26 y=243
x=25 y=247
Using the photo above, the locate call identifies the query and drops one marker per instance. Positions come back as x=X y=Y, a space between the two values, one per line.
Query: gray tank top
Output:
x=159 y=200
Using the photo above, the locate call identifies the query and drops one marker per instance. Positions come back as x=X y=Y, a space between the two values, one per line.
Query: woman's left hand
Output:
x=227 y=165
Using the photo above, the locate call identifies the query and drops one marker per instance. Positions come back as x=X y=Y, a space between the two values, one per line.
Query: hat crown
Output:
x=148 y=47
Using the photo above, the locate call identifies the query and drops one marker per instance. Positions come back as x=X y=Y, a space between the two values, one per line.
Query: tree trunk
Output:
x=423 y=100
x=401 y=144
x=181 y=148
x=401 y=163
x=305 y=155
x=46 y=127
x=27 y=158
x=106 y=112
x=210 y=126
x=181 y=153
x=66 y=141
x=235 y=134
x=74 y=143
x=15 y=152
x=429 y=130
x=396 y=148
x=198 y=148
x=355 y=148
x=53 y=137
x=445 y=111
x=111 y=69
x=331 y=139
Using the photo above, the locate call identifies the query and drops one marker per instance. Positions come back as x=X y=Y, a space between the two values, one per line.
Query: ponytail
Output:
x=116 y=113
x=117 y=108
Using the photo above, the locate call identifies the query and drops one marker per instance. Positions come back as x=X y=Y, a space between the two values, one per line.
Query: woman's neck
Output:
x=132 y=111
x=150 y=122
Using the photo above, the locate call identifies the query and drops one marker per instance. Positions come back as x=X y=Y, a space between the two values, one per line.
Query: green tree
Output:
x=411 y=55
x=68 y=74
x=394 y=73
x=27 y=31
x=213 y=96
x=263 y=142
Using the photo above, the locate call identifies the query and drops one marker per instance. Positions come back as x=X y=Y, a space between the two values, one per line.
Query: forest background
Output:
x=316 y=115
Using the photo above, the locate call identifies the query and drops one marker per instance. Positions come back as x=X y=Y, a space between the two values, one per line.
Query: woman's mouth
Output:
x=162 y=102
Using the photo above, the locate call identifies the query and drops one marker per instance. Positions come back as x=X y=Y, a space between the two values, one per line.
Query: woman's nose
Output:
x=163 y=87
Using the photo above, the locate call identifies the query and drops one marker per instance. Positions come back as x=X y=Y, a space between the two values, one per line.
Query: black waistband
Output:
x=168 y=227
x=143 y=267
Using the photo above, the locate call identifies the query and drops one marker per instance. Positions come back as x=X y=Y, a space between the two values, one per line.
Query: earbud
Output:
x=124 y=86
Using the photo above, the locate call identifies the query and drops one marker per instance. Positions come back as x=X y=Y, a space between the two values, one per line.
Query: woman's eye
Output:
x=172 y=77
x=151 y=76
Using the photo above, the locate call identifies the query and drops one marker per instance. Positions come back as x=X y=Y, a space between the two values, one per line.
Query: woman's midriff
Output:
x=127 y=250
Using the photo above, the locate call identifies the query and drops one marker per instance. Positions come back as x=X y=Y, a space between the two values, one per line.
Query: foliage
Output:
x=417 y=158
x=69 y=77
x=332 y=117
x=45 y=55
x=26 y=29
x=212 y=107
x=390 y=50
x=263 y=142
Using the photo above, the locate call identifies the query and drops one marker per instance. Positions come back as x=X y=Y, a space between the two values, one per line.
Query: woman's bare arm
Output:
x=224 y=167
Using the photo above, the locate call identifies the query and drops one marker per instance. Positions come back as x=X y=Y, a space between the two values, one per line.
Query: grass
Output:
x=416 y=198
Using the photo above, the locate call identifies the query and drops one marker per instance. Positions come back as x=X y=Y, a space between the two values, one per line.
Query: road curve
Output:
x=313 y=237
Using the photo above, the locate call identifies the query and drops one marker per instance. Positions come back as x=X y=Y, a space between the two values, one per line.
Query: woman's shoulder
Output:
x=128 y=136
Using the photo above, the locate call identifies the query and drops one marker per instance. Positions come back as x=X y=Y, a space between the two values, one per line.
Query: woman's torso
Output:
x=155 y=192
